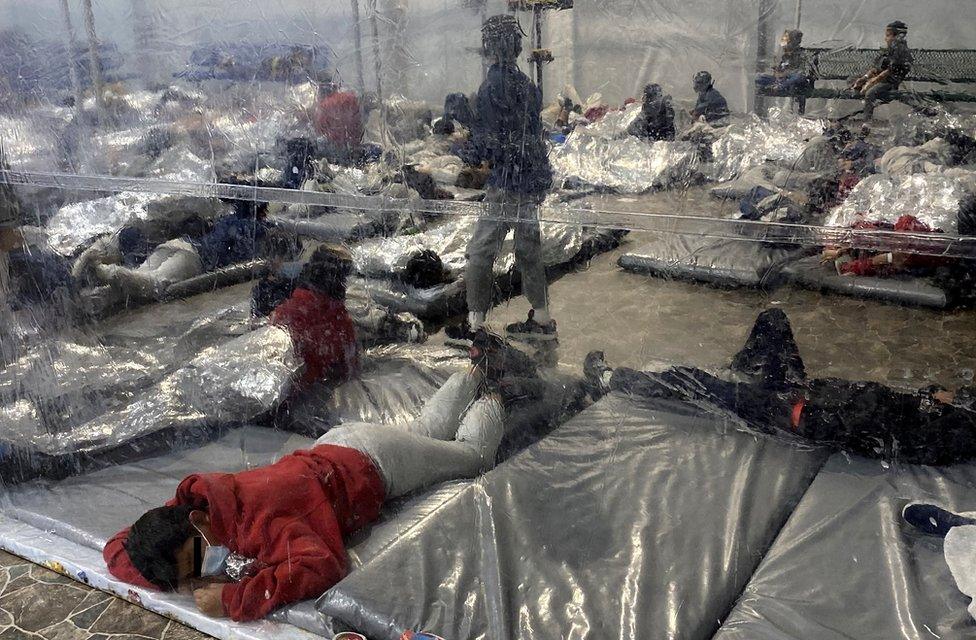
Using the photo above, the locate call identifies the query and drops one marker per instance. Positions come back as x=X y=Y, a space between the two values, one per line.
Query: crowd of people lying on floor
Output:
x=248 y=543
x=210 y=538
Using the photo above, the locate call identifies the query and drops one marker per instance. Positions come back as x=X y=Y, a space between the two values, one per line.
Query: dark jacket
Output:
x=655 y=122
x=508 y=132
x=233 y=239
x=896 y=58
x=711 y=104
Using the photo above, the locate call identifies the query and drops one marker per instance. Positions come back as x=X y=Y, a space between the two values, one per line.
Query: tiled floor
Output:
x=38 y=603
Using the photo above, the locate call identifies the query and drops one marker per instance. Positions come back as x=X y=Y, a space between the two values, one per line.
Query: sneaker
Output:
x=933 y=520
x=530 y=330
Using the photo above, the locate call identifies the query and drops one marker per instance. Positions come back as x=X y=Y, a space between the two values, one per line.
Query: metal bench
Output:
x=934 y=66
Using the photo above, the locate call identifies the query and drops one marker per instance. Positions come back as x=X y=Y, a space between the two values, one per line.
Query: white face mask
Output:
x=214 y=561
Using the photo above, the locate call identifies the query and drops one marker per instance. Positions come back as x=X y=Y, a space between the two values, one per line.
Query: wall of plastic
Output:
x=839 y=252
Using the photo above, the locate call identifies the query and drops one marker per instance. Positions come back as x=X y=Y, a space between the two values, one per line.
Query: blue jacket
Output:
x=508 y=132
x=233 y=239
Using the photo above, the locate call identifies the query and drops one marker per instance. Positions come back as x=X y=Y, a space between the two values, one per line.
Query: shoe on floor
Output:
x=530 y=330
x=933 y=520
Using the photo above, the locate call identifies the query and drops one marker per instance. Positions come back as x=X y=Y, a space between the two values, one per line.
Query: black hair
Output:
x=153 y=541
x=326 y=271
x=249 y=208
x=897 y=27
x=501 y=37
x=133 y=246
x=458 y=107
x=424 y=270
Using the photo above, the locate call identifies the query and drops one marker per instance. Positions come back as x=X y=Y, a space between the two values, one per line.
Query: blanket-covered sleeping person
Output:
x=247 y=543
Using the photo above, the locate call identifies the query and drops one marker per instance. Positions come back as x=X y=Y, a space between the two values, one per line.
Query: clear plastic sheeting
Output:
x=389 y=256
x=498 y=257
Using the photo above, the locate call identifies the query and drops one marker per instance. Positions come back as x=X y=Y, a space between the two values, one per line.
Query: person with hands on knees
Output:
x=889 y=70
x=247 y=543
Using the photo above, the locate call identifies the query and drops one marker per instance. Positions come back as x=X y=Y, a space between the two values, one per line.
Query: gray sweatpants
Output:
x=455 y=436
x=510 y=210
x=171 y=262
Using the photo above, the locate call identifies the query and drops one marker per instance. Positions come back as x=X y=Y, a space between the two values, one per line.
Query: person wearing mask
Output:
x=248 y=543
x=711 y=105
x=508 y=135
x=656 y=119
x=889 y=70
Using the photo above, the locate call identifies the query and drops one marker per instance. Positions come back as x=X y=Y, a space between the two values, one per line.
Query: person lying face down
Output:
x=247 y=543
x=929 y=426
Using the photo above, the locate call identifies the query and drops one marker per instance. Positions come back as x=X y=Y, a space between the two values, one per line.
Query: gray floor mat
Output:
x=846 y=566
x=625 y=522
x=810 y=274
x=718 y=261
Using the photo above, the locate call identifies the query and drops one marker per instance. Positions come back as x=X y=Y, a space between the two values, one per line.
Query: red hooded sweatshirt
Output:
x=339 y=118
x=322 y=332
x=291 y=517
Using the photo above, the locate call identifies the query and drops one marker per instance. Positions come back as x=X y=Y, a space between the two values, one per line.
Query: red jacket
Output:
x=865 y=266
x=322 y=332
x=290 y=516
x=339 y=118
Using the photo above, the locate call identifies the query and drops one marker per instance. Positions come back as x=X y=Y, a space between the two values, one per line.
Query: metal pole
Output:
x=94 y=66
x=144 y=36
x=799 y=9
x=762 y=49
x=358 y=43
x=71 y=46
x=374 y=24
x=537 y=18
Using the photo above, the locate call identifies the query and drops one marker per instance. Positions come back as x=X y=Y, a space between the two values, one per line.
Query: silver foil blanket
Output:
x=384 y=257
x=225 y=384
x=932 y=198
x=603 y=154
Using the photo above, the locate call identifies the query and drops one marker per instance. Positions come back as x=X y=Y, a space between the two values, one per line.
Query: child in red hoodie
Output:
x=269 y=536
x=316 y=317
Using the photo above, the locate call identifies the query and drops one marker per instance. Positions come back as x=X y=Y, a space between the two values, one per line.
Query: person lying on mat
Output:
x=929 y=426
x=127 y=262
x=247 y=543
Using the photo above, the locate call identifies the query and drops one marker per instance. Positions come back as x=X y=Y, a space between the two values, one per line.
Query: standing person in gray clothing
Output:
x=889 y=70
x=508 y=135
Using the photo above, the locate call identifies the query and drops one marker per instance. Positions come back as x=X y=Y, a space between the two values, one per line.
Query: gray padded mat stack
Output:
x=723 y=262
x=810 y=274
x=625 y=522
x=846 y=565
